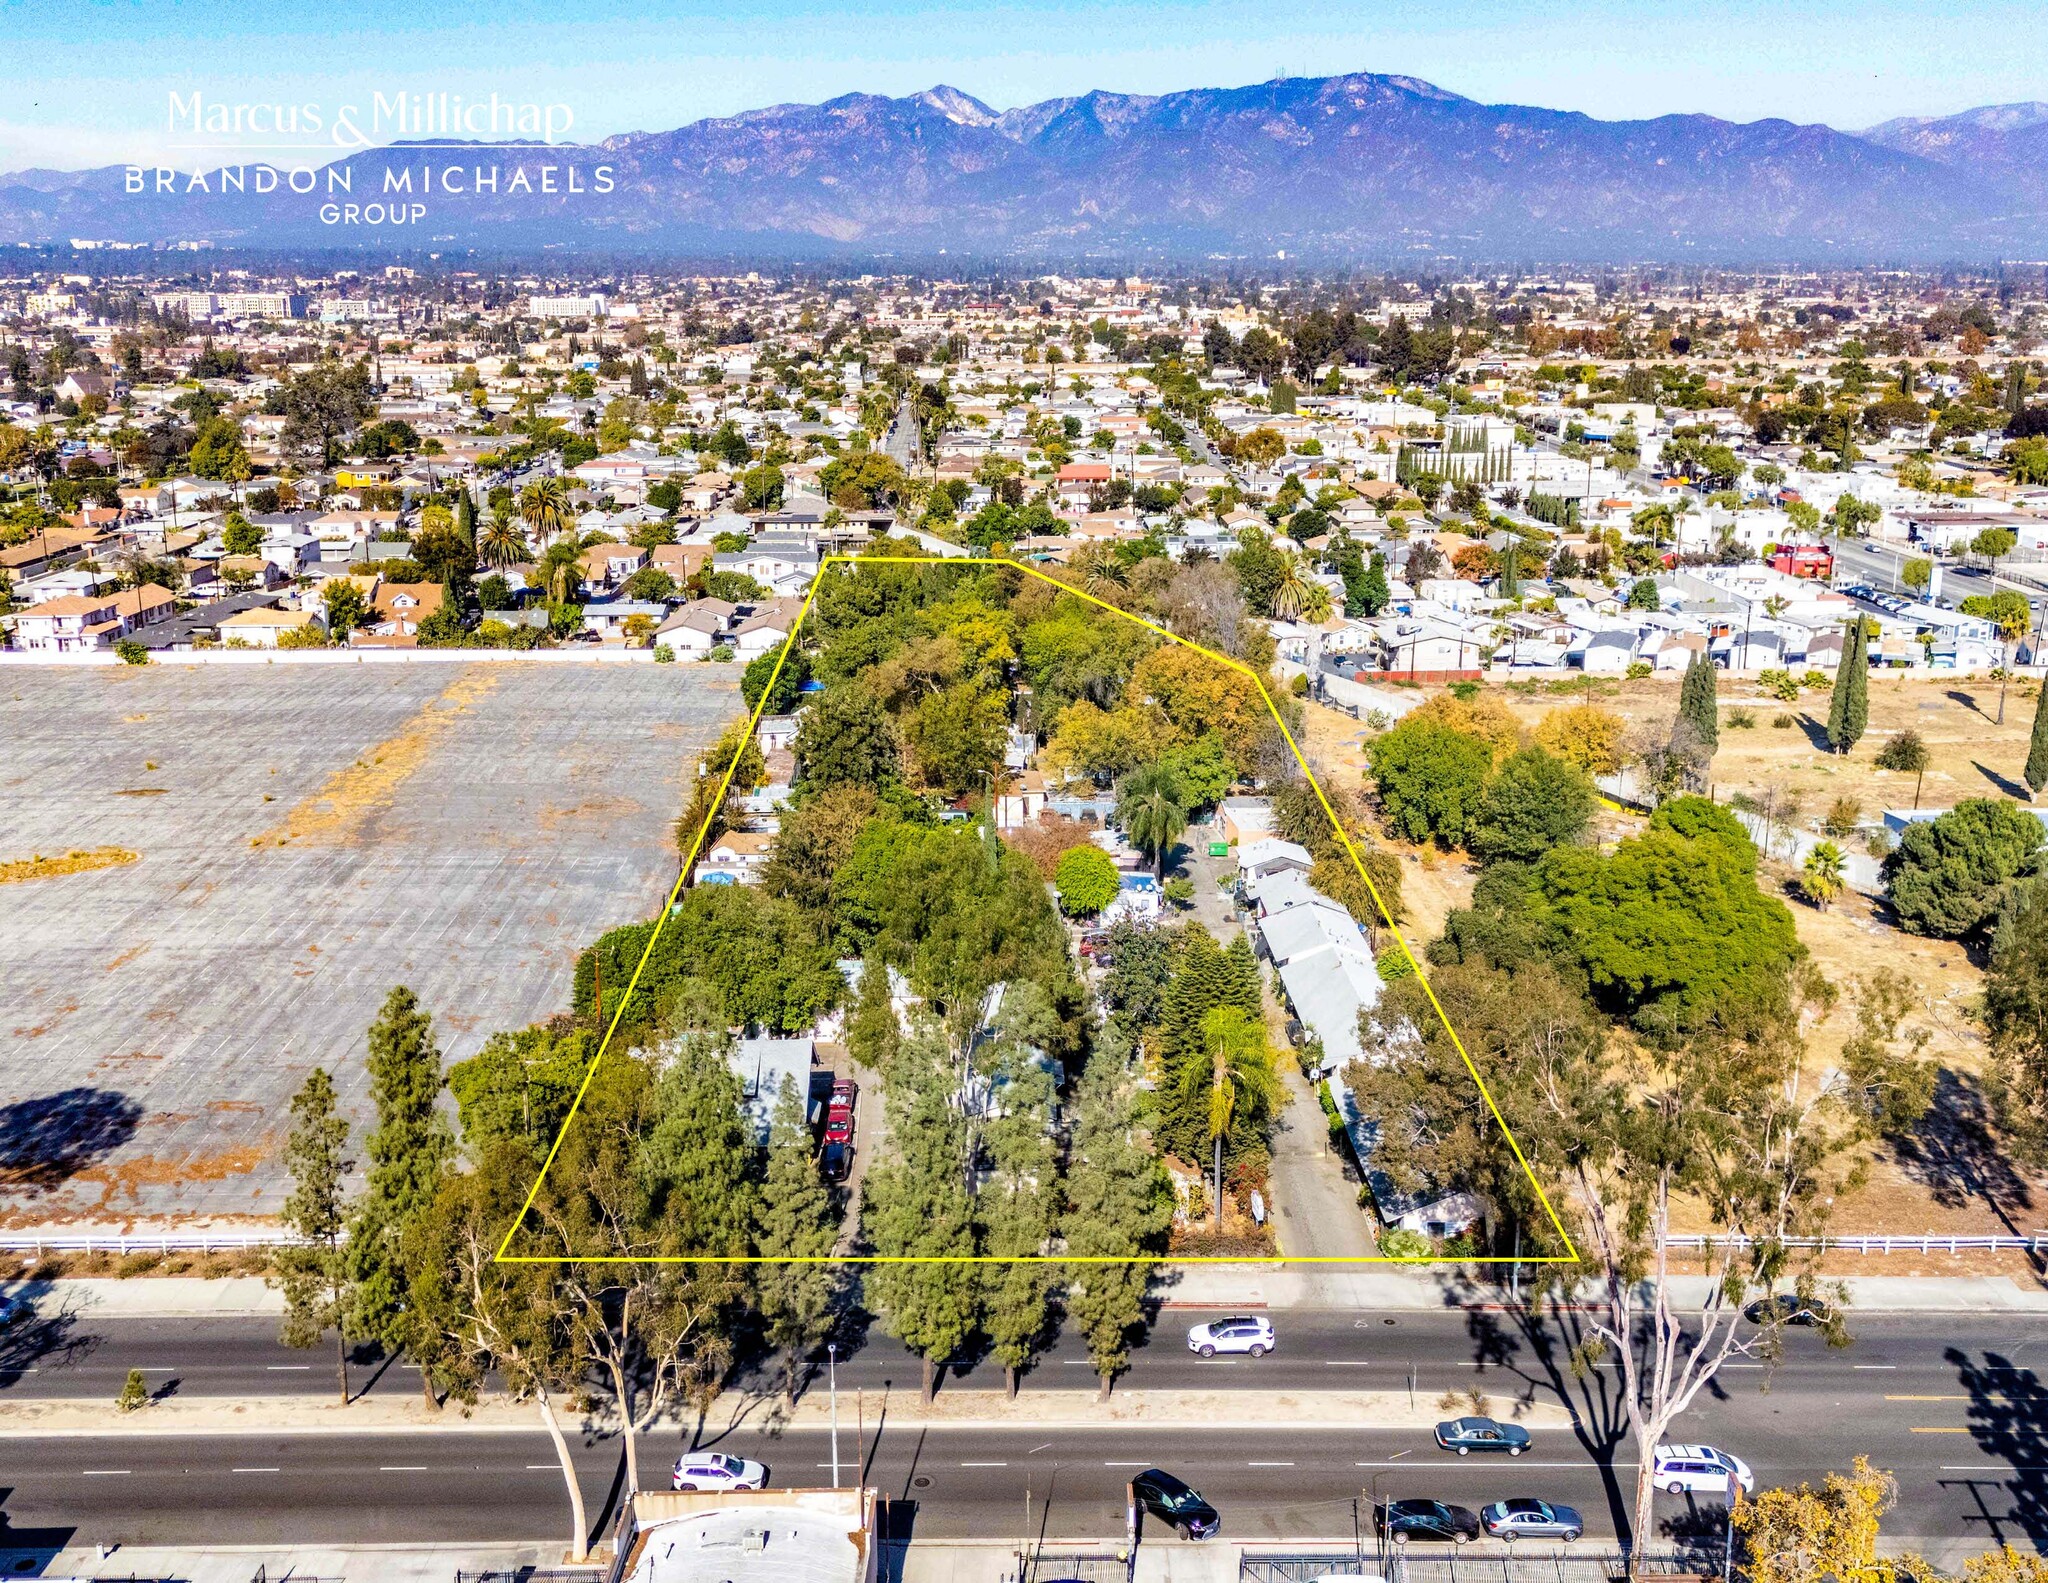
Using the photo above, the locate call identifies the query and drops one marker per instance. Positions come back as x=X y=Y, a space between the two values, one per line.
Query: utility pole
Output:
x=832 y=1376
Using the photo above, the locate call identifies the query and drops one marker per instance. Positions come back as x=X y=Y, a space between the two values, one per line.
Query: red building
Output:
x=1803 y=560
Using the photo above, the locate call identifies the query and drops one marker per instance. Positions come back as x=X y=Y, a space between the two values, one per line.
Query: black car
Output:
x=834 y=1161
x=1175 y=1504
x=1787 y=1308
x=1402 y=1521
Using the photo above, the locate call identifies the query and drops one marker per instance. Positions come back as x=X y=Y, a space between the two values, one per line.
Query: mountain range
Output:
x=1365 y=167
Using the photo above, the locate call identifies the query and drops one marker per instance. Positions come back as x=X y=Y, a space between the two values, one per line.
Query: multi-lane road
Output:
x=1950 y=1403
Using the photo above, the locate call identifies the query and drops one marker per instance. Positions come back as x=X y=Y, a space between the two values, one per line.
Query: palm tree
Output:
x=1152 y=807
x=544 y=506
x=1235 y=1078
x=1100 y=571
x=1299 y=595
x=1821 y=876
x=501 y=544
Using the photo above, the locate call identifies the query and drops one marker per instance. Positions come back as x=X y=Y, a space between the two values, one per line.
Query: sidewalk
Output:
x=238 y=1563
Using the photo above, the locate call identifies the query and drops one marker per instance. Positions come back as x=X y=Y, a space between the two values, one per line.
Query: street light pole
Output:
x=832 y=1388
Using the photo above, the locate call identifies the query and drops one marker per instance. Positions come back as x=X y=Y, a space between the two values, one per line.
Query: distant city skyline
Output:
x=97 y=76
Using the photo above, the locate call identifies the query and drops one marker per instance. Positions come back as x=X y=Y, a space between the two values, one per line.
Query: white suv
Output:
x=1253 y=1335
x=714 y=1470
x=1700 y=1469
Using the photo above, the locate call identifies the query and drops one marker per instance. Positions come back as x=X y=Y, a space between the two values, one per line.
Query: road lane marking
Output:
x=1127 y=1464
x=1927 y=1398
x=402 y=1470
x=984 y=1464
x=1345 y=1363
x=1874 y=1365
x=105 y=1473
x=1919 y=1431
x=252 y=1470
x=1518 y=1463
x=556 y=1467
x=1269 y=1464
x=287 y=1368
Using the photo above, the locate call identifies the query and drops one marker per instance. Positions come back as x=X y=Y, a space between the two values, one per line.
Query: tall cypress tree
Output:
x=1849 y=709
x=798 y=1300
x=1696 y=701
x=1377 y=592
x=2037 y=749
x=1245 y=986
x=408 y=1149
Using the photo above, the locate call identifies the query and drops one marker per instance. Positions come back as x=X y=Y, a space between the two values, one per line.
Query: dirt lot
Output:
x=1955 y=1176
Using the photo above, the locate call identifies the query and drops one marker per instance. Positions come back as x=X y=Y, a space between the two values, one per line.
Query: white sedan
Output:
x=1253 y=1335
x=714 y=1470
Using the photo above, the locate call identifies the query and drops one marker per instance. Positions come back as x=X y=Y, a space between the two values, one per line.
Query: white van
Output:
x=1701 y=1470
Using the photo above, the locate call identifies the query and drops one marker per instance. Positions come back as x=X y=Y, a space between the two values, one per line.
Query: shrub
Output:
x=1903 y=750
x=1740 y=720
x=1784 y=722
x=131 y=652
x=1086 y=880
x=1843 y=815
x=1180 y=891
x=1817 y=681
x=1638 y=669
x=1299 y=685
x=664 y=655
x=134 y=1392
x=1779 y=685
x=1401 y=1243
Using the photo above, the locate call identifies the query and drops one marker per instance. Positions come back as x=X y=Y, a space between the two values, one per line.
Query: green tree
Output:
x=916 y=1206
x=789 y=681
x=799 y=1287
x=1376 y=595
x=1086 y=879
x=345 y=605
x=134 y=1393
x=1430 y=779
x=1643 y=596
x=1016 y=1203
x=1948 y=876
x=1671 y=928
x=2036 y=771
x=323 y=407
x=408 y=1149
x=544 y=507
x=1820 y=876
x=1151 y=805
x=1233 y=1084
x=1849 y=704
x=2016 y=1009
x=240 y=536
x=1698 y=701
x=1119 y=1207
x=502 y=543
x=847 y=738
x=314 y=1272
x=1536 y=802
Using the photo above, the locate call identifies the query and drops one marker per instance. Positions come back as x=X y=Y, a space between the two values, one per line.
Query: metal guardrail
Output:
x=2033 y=1242
x=1519 y=1563
x=1089 y=1566
x=146 y=1242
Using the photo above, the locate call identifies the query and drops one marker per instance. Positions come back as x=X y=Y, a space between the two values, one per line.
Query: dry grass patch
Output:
x=81 y=862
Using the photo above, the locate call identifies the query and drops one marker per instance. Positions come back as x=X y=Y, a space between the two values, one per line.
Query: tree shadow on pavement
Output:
x=28 y=1552
x=44 y=1142
x=41 y=1331
x=1536 y=1347
x=2008 y=1419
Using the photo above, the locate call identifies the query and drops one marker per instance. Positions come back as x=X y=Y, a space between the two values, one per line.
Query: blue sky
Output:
x=88 y=80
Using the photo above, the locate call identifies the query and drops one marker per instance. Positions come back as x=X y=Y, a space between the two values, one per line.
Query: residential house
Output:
x=80 y=623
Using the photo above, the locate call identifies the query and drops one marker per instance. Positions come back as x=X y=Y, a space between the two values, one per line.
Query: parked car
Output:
x=1176 y=1504
x=834 y=1161
x=1525 y=1517
x=1703 y=1470
x=1788 y=1308
x=1403 y=1521
x=1467 y=1435
x=714 y=1470
x=1253 y=1335
x=839 y=1111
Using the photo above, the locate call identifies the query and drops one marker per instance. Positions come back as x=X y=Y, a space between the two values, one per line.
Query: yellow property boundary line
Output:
x=979 y=563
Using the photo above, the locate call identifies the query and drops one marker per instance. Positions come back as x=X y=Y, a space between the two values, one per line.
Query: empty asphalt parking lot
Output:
x=306 y=837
